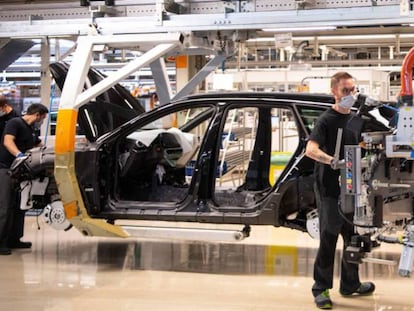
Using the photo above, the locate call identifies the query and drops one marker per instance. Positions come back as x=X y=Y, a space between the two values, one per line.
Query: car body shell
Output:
x=111 y=192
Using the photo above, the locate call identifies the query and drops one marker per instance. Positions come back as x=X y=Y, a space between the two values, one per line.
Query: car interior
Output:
x=158 y=162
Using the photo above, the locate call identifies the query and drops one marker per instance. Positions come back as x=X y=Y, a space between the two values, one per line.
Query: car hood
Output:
x=107 y=111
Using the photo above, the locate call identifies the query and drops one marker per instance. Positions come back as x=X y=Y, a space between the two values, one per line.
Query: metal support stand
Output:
x=407 y=256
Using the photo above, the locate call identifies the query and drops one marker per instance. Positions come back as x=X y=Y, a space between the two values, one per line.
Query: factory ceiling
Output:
x=265 y=33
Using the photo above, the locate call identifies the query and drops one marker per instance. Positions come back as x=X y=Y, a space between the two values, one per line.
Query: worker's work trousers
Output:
x=332 y=224
x=11 y=216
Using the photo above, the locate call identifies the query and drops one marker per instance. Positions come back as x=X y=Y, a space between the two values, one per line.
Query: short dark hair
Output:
x=36 y=108
x=3 y=101
x=341 y=75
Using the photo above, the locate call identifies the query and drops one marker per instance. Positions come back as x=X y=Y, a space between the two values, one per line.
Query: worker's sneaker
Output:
x=366 y=288
x=323 y=301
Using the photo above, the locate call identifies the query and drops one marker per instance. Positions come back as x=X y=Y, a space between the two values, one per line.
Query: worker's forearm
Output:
x=319 y=155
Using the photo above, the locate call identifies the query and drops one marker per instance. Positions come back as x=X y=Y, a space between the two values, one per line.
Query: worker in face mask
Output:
x=6 y=113
x=321 y=148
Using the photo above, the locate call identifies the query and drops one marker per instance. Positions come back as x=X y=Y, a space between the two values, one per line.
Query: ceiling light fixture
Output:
x=310 y=28
x=339 y=37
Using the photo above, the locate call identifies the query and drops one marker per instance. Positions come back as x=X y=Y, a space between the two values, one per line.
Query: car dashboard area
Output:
x=151 y=160
x=178 y=147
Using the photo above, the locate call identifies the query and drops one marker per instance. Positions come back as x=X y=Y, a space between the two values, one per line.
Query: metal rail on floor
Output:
x=197 y=234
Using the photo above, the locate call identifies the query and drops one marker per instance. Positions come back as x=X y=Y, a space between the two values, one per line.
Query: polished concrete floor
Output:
x=271 y=270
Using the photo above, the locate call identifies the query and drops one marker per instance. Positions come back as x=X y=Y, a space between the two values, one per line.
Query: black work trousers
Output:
x=331 y=225
x=11 y=216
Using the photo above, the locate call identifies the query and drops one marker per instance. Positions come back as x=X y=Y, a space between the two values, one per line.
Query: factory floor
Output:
x=270 y=270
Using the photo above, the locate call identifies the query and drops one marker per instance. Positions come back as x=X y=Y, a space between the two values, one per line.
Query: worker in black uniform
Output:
x=18 y=137
x=6 y=113
x=321 y=148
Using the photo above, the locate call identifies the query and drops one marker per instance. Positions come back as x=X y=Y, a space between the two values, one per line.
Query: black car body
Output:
x=233 y=158
x=130 y=188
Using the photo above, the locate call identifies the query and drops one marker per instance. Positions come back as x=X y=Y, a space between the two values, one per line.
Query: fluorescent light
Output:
x=339 y=37
x=272 y=39
x=365 y=37
x=357 y=37
x=310 y=28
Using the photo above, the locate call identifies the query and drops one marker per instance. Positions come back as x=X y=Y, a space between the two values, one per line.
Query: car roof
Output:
x=319 y=98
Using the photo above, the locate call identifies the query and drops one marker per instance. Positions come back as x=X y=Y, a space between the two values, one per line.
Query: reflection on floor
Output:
x=272 y=270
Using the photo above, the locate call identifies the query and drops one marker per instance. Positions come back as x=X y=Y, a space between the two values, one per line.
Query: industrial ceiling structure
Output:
x=256 y=33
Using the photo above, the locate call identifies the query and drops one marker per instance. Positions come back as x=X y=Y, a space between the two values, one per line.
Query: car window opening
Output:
x=155 y=162
x=256 y=146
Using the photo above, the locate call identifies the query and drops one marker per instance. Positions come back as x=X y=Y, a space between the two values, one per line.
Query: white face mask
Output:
x=38 y=124
x=347 y=102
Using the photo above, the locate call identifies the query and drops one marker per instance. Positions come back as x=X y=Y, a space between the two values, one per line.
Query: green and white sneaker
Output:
x=323 y=301
x=365 y=289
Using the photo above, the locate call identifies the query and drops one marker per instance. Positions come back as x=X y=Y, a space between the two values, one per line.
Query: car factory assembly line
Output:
x=133 y=164
x=168 y=164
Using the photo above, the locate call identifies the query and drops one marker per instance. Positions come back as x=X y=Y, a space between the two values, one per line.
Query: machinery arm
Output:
x=406 y=92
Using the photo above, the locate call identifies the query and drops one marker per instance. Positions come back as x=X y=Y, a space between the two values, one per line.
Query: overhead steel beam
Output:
x=122 y=73
x=45 y=76
x=10 y=50
x=161 y=80
x=146 y=42
x=355 y=16
x=201 y=75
